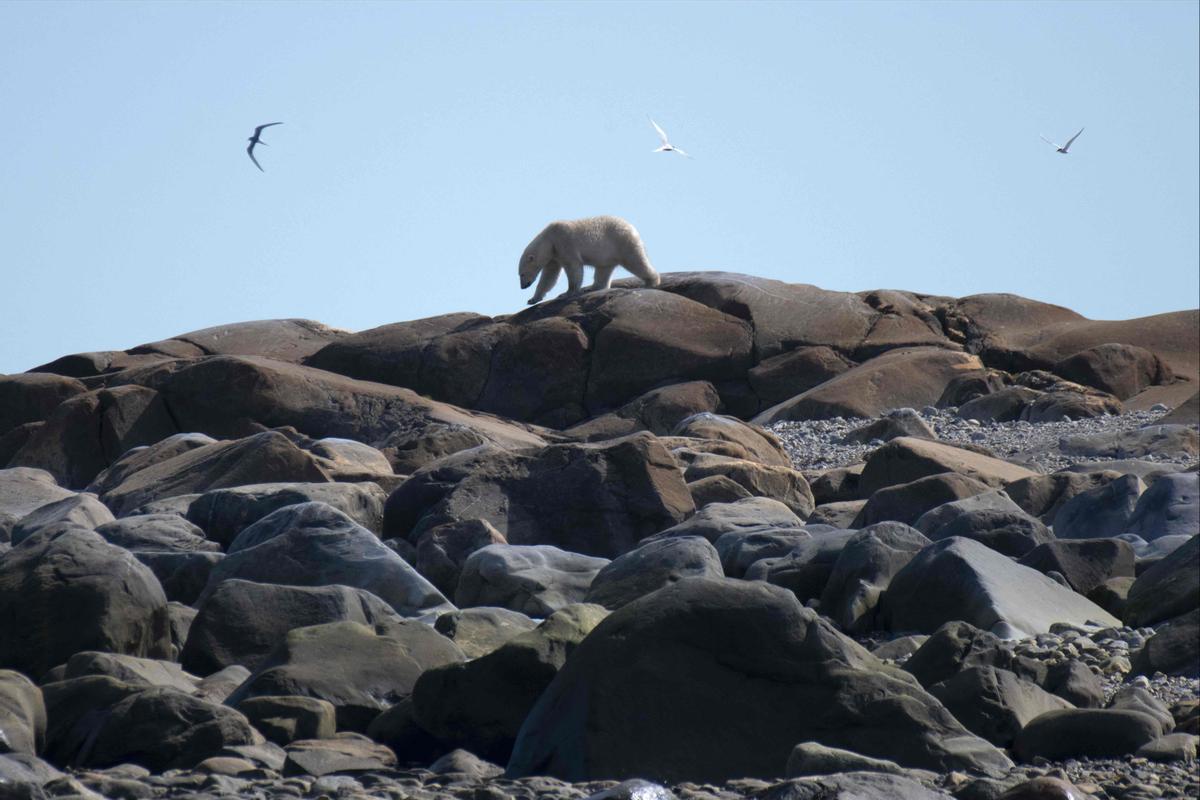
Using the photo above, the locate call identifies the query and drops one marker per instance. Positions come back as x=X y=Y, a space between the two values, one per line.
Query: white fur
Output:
x=603 y=243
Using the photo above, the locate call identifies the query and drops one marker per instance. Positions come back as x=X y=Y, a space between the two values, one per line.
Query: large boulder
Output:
x=74 y=591
x=1178 y=443
x=760 y=444
x=863 y=570
x=84 y=510
x=1170 y=507
x=480 y=630
x=784 y=484
x=88 y=432
x=254 y=459
x=595 y=499
x=314 y=544
x=954 y=647
x=807 y=567
x=739 y=550
x=32 y=396
x=157 y=533
x=1013 y=533
x=23 y=490
x=1103 y=511
x=1086 y=564
x=351 y=666
x=1122 y=370
x=996 y=500
x=140 y=458
x=162 y=728
x=652 y=566
x=1174 y=649
x=909 y=502
x=1043 y=495
x=716 y=519
x=995 y=703
x=22 y=714
x=658 y=411
x=480 y=705
x=1168 y=589
x=443 y=551
x=794 y=372
x=911 y=378
x=242 y=622
x=907 y=459
x=1085 y=733
x=536 y=580
x=961 y=579
x=224 y=513
x=685 y=663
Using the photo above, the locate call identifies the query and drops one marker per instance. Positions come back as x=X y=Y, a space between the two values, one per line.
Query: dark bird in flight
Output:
x=255 y=140
x=1064 y=148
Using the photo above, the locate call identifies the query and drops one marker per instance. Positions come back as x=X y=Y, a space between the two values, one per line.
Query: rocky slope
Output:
x=729 y=538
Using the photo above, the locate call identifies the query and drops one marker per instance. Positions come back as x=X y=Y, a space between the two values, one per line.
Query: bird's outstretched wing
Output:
x=661 y=133
x=259 y=129
x=1073 y=138
x=250 y=152
x=677 y=150
x=1047 y=141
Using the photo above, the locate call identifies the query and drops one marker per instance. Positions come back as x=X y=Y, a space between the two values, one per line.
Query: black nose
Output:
x=525 y=284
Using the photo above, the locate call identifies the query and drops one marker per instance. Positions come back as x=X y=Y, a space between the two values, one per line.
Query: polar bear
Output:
x=603 y=243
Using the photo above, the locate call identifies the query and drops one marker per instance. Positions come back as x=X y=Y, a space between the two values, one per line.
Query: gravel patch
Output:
x=817 y=444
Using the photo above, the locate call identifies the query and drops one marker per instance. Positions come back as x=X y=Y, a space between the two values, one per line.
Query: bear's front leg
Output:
x=546 y=283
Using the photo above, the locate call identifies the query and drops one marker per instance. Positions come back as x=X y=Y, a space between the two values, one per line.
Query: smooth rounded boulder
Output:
x=536 y=580
x=683 y=664
x=652 y=566
x=864 y=568
x=72 y=592
x=83 y=509
x=22 y=714
x=23 y=490
x=1168 y=589
x=1085 y=733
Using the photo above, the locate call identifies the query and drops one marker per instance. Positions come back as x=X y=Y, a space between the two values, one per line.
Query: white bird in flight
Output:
x=1063 y=149
x=666 y=146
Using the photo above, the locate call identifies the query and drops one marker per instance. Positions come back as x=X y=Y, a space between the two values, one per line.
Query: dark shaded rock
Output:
x=652 y=566
x=1099 y=512
x=806 y=569
x=837 y=515
x=962 y=579
x=1112 y=594
x=536 y=580
x=22 y=715
x=1174 y=649
x=834 y=485
x=140 y=458
x=157 y=533
x=242 y=622
x=1122 y=370
x=480 y=630
x=481 y=704
x=594 y=499
x=907 y=459
x=1085 y=733
x=1168 y=589
x=341 y=753
x=778 y=483
x=687 y=660
x=398 y=729
x=84 y=510
x=810 y=758
x=1171 y=506
x=285 y=718
x=348 y=664
x=1135 y=698
x=224 y=513
x=1005 y=405
x=1173 y=747
x=716 y=489
x=76 y=592
x=132 y=670
x=1085 y=563
x=1187 y=413
x=1043 y=495
x=162 y=728
x=794 y=372
x=898 y=422
x=851 y=786
x=912 y=378
x=994 y=703
x=908 y=502
x=863 y=570
x=32 y=396
x=442 y=551
x=88 y=432
x=738 y=550
x=1057 y=406
x=23 y=490
x=658 y=411
x=313 y=544
x=1011 y=533
x=954 y=647
x=995 y=500
x=1074 y=682
x=182 y=575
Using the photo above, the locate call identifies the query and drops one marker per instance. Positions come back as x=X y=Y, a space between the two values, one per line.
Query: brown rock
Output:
x=907 y=459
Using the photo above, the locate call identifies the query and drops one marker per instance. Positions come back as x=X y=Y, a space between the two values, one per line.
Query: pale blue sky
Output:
x=850 y=145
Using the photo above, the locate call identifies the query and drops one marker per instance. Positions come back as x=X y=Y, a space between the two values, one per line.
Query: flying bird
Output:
x=666 y=146
x=1066 y=146
x=255 y=140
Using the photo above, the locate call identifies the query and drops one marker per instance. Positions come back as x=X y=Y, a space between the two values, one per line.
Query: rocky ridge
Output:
x=610 y=546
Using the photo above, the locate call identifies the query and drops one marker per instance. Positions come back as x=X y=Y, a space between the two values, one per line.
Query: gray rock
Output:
x=1085 y=733
x=806 y=569
x=1170 y=507
x=1043 y=495
x=1159 y=442
x=183 y=575
x=683 y=664
x=837 y=515
x=863 y=570
x=907 y=459
x=852 y=786
x=157 y=533
x=965 y=580
x=1004 y=405
x=348 y=664
x=711 y=521
x=897 y=422
x=84 y=510
x=1104 y=511
x=908 y=502
x=340 y=753
x=225 y=513
x=1168 y=589
x=285 y=718
x=22 y=715
x=131 y=670
x=1173 y=747
x=784 y=484
x=1134 y=698
x=23 y=490
x=954 y=647
x=442 y=551
x=1013 y=533
x=652 y=566
x=481 y=630
x=994 y=703
x=993 y=500
x=1174 y=649
x=313 y=544
x=242 y=622
x=738 y=550
x=76 y=592
x=1075 y=683
x=813 y=758
x=536 y=580
x=1085 y=563
x=462 y=763
x=900 y=647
